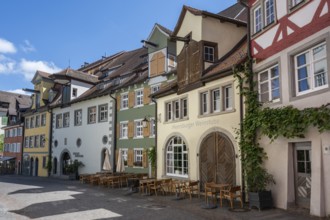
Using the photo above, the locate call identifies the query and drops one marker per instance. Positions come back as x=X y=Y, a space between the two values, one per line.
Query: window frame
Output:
x=310 y=70
x=58 y=121
x=91 y=115
x=173 y=144
x=139 y=97
x=137 y=156
x=152 y=127
x=209 y=53
x=215 y=102
x=124 y=152
x=66 y=119
x=138 y=128
x=103 y=112
x=37 y=122
x=228 y=96
x=266 y=15
x=43 y=119
x=78 y=118
x=257 y=19
x=124 y=101
x=269 y=81
x=74 y=92
x=123 y=130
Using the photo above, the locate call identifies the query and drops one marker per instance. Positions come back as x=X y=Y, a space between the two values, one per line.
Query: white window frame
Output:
x=123 y=129
x=184 y=108
x=216 y=102
x=91 y=116
x=78 y=117
x=271 y=13
x=18 y=147
x=295 y=2
x=19 y=131
x=66 y=119
x=124 y=152
x=59 y=121
x=154 y=88
x=269 y=81
x=228 y=97
x=310 y=70
x=257 y=19
x=43 y=119
x=124 y=101
x=103 y=113
x=138 y=128
x=170 y=157
x=204 y=103
x=176 y=109
x=152 y=127
x=169 y=111
x=138 y=157
x=138 y=97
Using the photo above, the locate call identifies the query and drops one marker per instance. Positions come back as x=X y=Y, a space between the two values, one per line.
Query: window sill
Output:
x=123 y=138
x=137 y=167
x=103 y=121
x=176 y=120
x=122 y=109
x=138 y=137
x=138 y=106
x=217 y=113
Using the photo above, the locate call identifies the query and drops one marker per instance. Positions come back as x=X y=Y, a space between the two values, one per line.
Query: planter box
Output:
x=261 y=200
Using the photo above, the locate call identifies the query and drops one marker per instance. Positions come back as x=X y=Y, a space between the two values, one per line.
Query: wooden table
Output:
x=218 y=187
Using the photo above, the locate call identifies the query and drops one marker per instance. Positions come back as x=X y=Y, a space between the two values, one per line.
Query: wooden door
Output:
x=217 y=160
x=303 y=171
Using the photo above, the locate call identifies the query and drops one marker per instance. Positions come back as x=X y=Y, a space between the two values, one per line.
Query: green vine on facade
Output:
x=288 y=122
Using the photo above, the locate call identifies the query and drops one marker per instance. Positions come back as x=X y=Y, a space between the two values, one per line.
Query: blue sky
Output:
x=54 y=34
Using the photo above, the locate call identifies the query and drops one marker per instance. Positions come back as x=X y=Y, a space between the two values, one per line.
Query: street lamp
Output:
x=145 y=122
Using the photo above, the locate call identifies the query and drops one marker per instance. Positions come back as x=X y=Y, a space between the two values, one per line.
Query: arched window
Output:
x=176 y=157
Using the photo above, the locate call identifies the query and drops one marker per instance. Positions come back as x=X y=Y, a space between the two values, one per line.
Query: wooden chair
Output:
x=167 y=186
x=155 y=186
x=191 y=187
x=231 y=193
x=210 y=191
x=114 y=180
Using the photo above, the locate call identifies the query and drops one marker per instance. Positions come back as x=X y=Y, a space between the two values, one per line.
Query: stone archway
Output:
x=217 y=160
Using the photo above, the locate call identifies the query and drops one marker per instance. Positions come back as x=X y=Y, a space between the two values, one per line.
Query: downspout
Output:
x=22 y=145
x=156 y=129
x=114 y=131
x=246 y=5
x=50 y=139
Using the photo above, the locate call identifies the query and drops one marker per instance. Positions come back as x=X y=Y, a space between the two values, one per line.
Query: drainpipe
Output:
x=246 y=5
x=22 y=145
x=156 y=129
x=50 y=138
x=114 y=131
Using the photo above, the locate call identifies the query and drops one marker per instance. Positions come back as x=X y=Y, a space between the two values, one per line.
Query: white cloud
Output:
x=29 y=67
x=27 y=47
x=6 y=46
x=19 y=91
x=7 y=65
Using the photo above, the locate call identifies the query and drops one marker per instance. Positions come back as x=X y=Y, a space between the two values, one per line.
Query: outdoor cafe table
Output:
x=218 y=187
x=179 y=186
x=146 y=183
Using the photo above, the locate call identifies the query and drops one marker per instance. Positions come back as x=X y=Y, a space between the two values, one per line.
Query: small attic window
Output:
x=51 y=95
x=74 y=92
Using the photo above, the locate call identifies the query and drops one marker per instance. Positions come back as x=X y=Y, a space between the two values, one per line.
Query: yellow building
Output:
x=36 y=150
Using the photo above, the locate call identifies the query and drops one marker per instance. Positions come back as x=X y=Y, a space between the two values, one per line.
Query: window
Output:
x=103 y=113
x=37 y=141
x=138 y=156
x=269 y=12
x=269 y=85
x=124 y=154
x=123 y=129
x=74 y=92
x=228 y=97
x=124 y=101
x=184 y=107
x=14 y=132
x=44 y=161
x=77 y=117
x=31 y=139
x=138 y=129
x=43 y=119
x=32 y=122
x=295 y=2
x=204 y=98
x=37 y=121
x=42 y=140
x=18 y=147
x=152 y=127
x=66 y=119
x=210 y=101
x=37 y=100
x=169 y=111
x=7 y=133
x=92 y=115
x=66 y=94
x=26 y=145
x=59 y=121
x=176 y=157
x=257 y=19
x=139 y=97
x=216 y=100
x=27 y=123
x=208 y=54
x=154 y=88
x=19 y=131
x=311 y=70
x=177 y=109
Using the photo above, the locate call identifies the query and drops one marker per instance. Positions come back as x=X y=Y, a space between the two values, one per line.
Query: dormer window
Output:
x=209 y=54
x=66 y=94
x=74 y=92
x=37 y=100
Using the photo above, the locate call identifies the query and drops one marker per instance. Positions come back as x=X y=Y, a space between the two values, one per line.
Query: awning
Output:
x=6 y=158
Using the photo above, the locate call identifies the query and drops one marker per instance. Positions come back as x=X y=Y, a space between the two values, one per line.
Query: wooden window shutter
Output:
x=160 y=63
x=153 y=65
x=131 y=99
x=131 y=129
x=145 y=158
x=195 y=61
x=146 y=131
x=117 y=153
x=146 y=93
x=118 y=102
x=181 y=68
x=118 y=130
x=130 y=157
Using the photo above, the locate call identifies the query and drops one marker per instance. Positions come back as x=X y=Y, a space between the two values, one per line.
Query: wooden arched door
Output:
x=217 y=160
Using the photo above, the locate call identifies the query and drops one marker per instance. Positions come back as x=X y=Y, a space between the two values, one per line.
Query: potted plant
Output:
x=152 y=156
x=72 y=169
x=258 y=180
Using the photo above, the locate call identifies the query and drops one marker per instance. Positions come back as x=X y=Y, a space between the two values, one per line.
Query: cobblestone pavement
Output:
x=48 y=198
